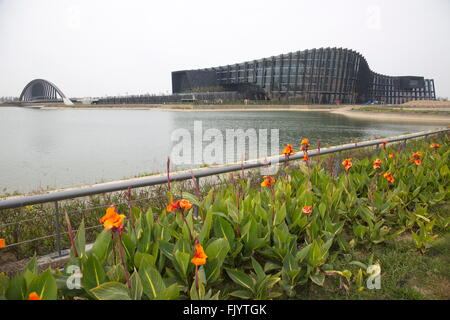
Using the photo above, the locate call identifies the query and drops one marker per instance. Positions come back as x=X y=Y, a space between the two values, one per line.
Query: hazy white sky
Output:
x=105 y=47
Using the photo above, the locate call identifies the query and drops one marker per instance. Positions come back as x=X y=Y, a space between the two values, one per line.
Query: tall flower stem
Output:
x=71 y=235
x=187 y=225
x=273 y=204
x=196 y=277
x=113 y=247
x=122 y=257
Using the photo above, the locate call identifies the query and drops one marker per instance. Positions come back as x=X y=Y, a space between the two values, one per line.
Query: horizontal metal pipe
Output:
x=21 y=201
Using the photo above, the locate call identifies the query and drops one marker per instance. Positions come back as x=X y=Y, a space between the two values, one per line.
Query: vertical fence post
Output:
x=377 y=149
x=337 y=164
x=58 y=229
x=195 y=207
x=197 y=181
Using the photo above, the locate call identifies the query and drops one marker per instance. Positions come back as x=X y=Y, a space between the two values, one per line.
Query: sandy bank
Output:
x=184 y=108
x=392 y=116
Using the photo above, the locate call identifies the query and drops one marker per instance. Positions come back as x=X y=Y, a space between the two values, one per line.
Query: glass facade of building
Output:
x=325 y=75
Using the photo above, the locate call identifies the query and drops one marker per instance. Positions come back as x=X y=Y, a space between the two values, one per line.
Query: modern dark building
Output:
x=325 y=75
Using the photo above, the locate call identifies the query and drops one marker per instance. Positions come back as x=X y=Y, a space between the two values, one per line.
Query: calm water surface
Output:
x=45 y=149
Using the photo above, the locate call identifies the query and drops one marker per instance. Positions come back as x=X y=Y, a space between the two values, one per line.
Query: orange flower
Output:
x=112 y=219
x=185 y=204
x=304 y=144
x=307 y=210
x=391 y=155
x=2 y=243
x=305 y=157
x=435 y=146
x=34 y=296
x=384 y=144
x=347 y=163
x=172 y=206
x=200 y=256
x=376 y=163
x=268 y=181
x=110 y=213
x=416 y=158
x=389 y=177
x=288 y=150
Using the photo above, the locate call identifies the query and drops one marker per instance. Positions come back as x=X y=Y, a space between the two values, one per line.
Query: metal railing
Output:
x=22 y=201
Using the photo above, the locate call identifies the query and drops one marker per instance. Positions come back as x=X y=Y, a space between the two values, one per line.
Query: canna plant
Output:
x=252 y=240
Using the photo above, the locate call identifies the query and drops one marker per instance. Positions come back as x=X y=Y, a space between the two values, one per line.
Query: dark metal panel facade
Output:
x=325 y=75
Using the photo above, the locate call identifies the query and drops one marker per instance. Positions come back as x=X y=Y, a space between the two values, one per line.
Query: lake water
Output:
x=45 y=149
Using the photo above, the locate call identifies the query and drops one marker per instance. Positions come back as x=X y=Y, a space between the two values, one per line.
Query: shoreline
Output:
x=345 y=110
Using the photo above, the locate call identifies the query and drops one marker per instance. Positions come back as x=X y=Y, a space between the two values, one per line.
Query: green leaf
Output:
x=241 y=279
x=93 y=272
x=181 y=262
x=4 y=283
x=44 y=285
x=258 y=270
x=170 y=293
x=242 y=294
x=197 y=294
x=136 y=286
x=17 y=289
x=300 y=256
x=206 y=228
x=218 y=249
x=318 y=279
x=32 y=265
x=80 y=239
x=140 y=258
x=111 y=291
x=101 y=245
x=280 y=214
x=223 y=229
x=128 y=245
x=152 y=281
x=116 y=273
x=166 y=248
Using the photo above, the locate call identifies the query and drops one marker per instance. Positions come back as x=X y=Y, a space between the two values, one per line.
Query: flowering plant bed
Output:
x=294 y=231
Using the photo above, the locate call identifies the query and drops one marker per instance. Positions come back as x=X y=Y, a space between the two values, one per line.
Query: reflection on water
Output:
x=43 y=149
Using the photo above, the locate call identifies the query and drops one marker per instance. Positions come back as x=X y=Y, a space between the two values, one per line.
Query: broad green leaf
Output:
x=101 y=245
x=318 y=279
x=218 y=249
x=152 y=281
x=241 y=279
x=80 y=239
x=32 y=265
x=111 y=291
x=136 y=286
x=44 y=285
x=17 y=289
x=140 y=258
x=93 y=272
x=242 y=294
x=181 y=262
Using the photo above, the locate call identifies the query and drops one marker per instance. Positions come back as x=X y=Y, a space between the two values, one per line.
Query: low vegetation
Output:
x=315 y=230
